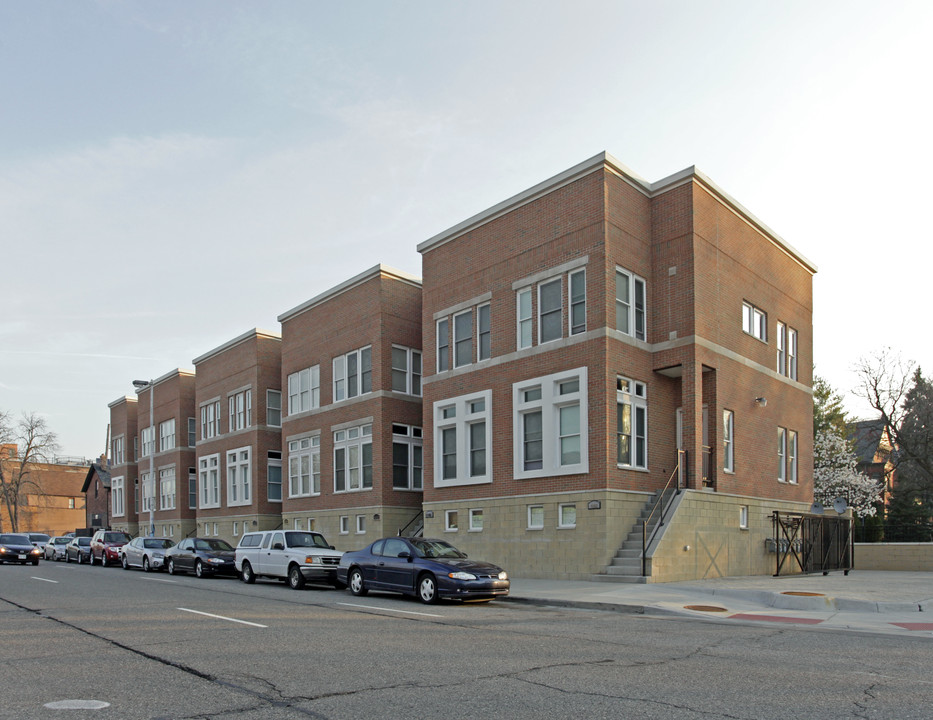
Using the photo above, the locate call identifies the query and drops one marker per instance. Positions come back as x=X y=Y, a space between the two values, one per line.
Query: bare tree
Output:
x=35 y=443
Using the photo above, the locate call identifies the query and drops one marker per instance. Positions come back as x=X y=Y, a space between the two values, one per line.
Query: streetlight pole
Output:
x=141 y=385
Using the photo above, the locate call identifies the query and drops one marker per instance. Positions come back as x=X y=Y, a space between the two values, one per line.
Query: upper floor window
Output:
x=464 y=334
x=631 y=424
x=406 y=370
x=147 y=437
x=630 y=304
x=274 y=408
x=407 y=453
x=353 y=374
x=239 y=476
x=192 y=432
x=463 y=439
x=787 y=351
x=274 y=476
x=118 y=450
x=540 y=314
x=167 y=488
x=241 y=410
x=210 y=419
x=483 y=333
x=523 y=301
x=304 y=390
x=167 y=435
x=787 y=455
x=209 y=480
x=353 y=459
x=550 y=310
x=463 y=338
x=754 y=321
x=578 y=302
x=443 y=345
x=728 y=441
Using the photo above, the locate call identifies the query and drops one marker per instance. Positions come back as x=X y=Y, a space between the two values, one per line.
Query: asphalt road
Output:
x=156 y=646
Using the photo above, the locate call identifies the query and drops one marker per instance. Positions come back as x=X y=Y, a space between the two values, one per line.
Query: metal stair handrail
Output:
x=659 y=503
x=411 y=522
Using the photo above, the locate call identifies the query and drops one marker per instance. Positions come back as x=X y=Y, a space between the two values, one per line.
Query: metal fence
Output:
x=811 y=543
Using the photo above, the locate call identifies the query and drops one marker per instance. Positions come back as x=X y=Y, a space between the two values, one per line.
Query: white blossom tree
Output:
x=834 y=475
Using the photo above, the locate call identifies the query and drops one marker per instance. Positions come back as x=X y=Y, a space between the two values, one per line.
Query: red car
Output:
x=106 y=545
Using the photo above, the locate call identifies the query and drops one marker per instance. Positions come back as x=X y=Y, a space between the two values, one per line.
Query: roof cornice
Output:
x=253 y=334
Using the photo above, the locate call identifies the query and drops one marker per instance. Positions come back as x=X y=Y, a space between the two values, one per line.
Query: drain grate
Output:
x=705 y=608
x=802 y=594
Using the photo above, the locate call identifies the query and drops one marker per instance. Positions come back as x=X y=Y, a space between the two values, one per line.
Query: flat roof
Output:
x=248 y=335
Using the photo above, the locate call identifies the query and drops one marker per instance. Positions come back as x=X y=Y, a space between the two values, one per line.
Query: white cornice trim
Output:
x=255 y=333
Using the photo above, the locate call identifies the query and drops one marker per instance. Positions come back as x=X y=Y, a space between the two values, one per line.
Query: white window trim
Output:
x=448 y=527
x=461 y=422
x=560 y=310
x=635 y=401
x=412 y=387
x=560 y=516
x=344 y=523
x=307 y=446
x=304 y=390
x=728 y=441
x=633 y=281
x=549 y=405
x=457 y=339
x=167 y=501
x=480 y=357
x=530 y=510
x=474 y=512
x=236 y=487
x=363 y=438
x=209 y=481
x=570 y=303
x=360 y=524
x=754 y=321
x=270 y=407
x=341 y=374
x=519 y=319
x=413 y=438
x=743 y=517
x=445 y=365
x=118 y=496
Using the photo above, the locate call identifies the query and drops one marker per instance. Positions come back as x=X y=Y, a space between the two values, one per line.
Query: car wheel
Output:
x=356 y=584
x=296 y=580
x=199 y=569
x=79 y=559
x=171 y=566
x=427 y=589
x=125 y=563
x=90 y=557
x=67 y=558
x=36 y=561
x=146 y=563
x=337 y=584
x=246 y=575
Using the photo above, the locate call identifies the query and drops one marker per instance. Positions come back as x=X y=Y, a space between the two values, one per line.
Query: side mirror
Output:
x=278 y=546
x=405 y=554
x=332 y=547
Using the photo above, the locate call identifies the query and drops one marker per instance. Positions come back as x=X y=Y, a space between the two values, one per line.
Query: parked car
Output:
x=202 y=556
x=79 y=549
x=425 y=568
x=55 y=548
x=39 y=540
x=287 y=554
x=106 y=544
x=17 y=547
x=145 y=552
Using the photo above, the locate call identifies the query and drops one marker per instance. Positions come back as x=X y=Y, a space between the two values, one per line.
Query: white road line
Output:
x=374 y=607
x=221 y=617
x=45 y=580
x=172 y=582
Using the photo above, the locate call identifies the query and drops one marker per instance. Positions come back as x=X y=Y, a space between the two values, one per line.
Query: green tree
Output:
x=828 y=410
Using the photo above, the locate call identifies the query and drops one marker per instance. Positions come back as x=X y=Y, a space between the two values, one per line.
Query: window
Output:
x=782 y=454
x=274 y=408
x=535 y=517
x=754 y=322
x=743 y=517
x=192 y=432
x=463 y=435
x=577 y=302
x=523 y=299
x=210 y=420
x=728 y=441
x=549 y=428
x=483 y=333
x=167 y=435
x=209 y=477
x=136 y=496
x=781 y=340
x=792 y=353
x=118 y=450
x=353 y=459
x=147 y=440
x=241 y=410
x=630 y=304
x=117 y=496
x=167 y=489
x=787 y=351
x=304 y=466
x=360 y=524
x=344 y=524
x=406 y=370
x=304 y=390
x=353 y=374
x=567 y=515
x=443 y=345
x=274 y=476
x=145 y=480
x=192 y=488
x=631 y=424
x=787 y=455
x=549 y=311
x=407 y=454
x=476 y=520
x=236 y=528
x=463 y=338
x=450 y=521
x=239 y=476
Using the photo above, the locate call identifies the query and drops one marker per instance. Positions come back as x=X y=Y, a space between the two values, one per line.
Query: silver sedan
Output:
x=55 y=547
x=147 y=553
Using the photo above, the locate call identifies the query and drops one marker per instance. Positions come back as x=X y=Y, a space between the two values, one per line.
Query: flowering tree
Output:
x=834 y=475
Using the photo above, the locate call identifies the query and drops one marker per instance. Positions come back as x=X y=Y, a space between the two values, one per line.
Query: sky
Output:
x=175 y=174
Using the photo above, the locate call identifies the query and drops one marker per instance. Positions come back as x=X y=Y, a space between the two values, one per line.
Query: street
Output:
x=150 y=645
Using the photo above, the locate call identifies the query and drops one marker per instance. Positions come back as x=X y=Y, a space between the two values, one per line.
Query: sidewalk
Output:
x=890 y=602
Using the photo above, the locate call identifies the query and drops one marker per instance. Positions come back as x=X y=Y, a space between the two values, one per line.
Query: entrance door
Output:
x=679 y=420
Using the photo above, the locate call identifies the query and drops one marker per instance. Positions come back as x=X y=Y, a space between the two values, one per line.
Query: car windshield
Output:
x=61 y=541
x=435 y=549
x=39 y=537
x=116 y=537
x=215 y=545
x=14 y=540
x=305 y=539
x=157 y=543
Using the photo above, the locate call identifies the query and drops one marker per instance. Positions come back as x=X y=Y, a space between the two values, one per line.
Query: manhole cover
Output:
x=802 y=594
x=77 y=705
x=705 y=608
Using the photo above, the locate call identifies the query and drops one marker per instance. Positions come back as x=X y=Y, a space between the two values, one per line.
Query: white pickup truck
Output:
x=292 y=555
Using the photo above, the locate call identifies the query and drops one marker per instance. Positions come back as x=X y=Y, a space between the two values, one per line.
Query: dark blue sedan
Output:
x=427 y=569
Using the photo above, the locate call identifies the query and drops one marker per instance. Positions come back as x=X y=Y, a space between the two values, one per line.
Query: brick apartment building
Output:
x=239 y=441
x=580 y=334
x=569 y=353
x=351 y=374
x=50 y=498
x=123 y=485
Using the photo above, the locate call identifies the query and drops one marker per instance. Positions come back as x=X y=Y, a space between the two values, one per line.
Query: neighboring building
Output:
x=123 y=480
x=580 y=334
x=166 y=459
x=239 y=450
x=872 y=448
x=351 y=404
x=98 y=496
x=51 y=500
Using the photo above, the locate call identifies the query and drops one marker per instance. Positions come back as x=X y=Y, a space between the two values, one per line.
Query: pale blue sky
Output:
x=173 y=174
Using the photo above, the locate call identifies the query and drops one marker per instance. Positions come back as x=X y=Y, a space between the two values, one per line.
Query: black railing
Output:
x=411 y=522
x=708 y=479
x=661 y=508
x=815 y=543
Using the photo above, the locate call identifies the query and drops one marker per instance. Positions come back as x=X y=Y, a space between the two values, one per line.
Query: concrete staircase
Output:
x=626 y=566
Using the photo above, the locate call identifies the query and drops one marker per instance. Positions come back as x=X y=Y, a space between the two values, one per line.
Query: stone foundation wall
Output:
x=910 y=557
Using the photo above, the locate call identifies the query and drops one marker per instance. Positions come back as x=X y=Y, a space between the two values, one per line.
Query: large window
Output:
x=728 y=441
x=147 y=440
x=630 y=304
x=787 y=455
x=274 y=476
x=209 y=479
x=304 y=390
x=406 y=370
x=118 y=450
x=304 y=466
x=550 y=425
x=631 y=424
x=167 y=435
x=210 y=419
x=118 y=496
x=192 y=488
x=463 y=439
x=241 y=410
x=353 y=459
x=407 y=454
x=239 y=477
x=787 y=351
x=754 y=321
x=353 y=374
x=147 y=483
x=274 y=408
x=167 y=488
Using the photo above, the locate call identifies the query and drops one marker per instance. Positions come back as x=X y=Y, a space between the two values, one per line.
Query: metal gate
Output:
x=811 y=543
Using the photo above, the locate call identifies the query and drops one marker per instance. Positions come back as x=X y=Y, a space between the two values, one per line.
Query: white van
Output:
x=292 y=555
